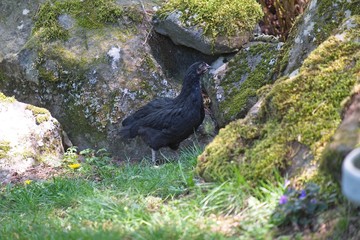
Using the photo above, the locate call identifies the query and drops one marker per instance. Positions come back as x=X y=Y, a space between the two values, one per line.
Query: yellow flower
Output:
x=27 y=182
x=74 y=166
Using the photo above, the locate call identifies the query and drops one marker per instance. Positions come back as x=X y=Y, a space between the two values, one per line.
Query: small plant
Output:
x=70 y=156
x=300 y=207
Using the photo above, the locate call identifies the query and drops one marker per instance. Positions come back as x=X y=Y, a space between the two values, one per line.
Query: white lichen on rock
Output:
x=114 y=54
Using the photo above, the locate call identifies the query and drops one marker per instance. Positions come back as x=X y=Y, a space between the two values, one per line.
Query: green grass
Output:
x=136 y=201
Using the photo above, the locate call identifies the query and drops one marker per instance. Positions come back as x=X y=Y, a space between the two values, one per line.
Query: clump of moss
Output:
x=4 y=148
x=216 y=17
x=41 y=114
x=304 y=109
x=42 y=118
x=88 y=14
x=220 y=159
x=4 y=98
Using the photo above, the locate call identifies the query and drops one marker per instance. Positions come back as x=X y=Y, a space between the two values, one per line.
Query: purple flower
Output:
x=302 y=194
x=283 y=199
x=313 y=201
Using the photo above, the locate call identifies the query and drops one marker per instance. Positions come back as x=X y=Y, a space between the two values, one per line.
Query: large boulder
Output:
x=29 y=136
x=297 y=118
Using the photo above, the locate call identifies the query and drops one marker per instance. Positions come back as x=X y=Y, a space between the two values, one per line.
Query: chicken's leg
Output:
x=153 y=156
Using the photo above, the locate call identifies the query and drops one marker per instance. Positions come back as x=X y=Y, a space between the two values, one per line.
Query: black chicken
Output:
x=165 y=122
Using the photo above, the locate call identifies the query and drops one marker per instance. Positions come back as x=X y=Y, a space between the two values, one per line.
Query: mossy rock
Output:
x=217 y=17
x=304 y=108
x=346 y=138
x=317 y=23
x=211 y=27
x=234 y=91
x=25 y=140
x=91 y=14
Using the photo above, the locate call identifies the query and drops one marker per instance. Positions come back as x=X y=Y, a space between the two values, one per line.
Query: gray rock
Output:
x=29 y=135
x=232 y=86
x=193 y=37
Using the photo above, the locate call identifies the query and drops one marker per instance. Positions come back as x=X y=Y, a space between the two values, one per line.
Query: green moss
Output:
x=4 y=148
x=220 y=159
x=332 y=15
x=3 y=77
x=42 y=118
x=4 y=98
x=48 y=75
x=69 y=67
x=88 y=14
x=37 y=110
x=216 y=17
x=41 y=114
x=255 y=66
x=304 y=109
x=76 y=114
x=148 y=62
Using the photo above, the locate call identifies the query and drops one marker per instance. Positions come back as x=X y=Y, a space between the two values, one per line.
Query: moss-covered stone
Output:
x=222 y=157
x=77 y=114
x=89 y=14
x=304 y=108
x=217 y=17
x=247 y=72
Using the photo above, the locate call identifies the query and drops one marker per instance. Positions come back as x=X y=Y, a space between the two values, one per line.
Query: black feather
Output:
x=166 y=122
